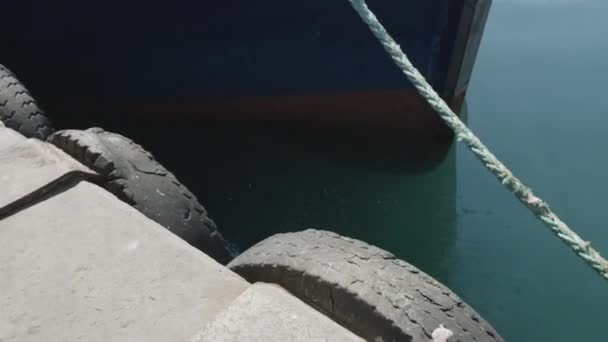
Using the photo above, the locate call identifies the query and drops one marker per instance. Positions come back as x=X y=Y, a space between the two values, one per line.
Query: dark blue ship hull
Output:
x=310 y=60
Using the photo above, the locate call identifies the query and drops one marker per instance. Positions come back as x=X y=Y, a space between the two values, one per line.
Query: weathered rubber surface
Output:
x=18 y=110
x=362 y=287
x=133 y=175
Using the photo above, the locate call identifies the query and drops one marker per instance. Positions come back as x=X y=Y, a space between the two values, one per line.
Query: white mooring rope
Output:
x=463 y=133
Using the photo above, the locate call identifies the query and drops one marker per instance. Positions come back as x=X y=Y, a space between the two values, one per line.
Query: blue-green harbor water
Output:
x=537 y=99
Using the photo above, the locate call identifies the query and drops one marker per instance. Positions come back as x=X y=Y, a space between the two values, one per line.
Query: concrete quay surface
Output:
x=77 y=264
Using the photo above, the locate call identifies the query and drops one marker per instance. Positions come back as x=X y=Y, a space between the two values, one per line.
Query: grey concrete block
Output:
x=83 y=265
x=28 y=166
x=266 y=312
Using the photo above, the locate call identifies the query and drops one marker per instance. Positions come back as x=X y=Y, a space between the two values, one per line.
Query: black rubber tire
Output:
x=18 y=110
x=134 y=176
x=362 y=287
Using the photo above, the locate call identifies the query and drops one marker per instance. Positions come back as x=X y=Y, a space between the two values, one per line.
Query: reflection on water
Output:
x=256 y=185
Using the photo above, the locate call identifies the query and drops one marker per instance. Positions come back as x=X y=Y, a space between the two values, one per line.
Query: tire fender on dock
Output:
x=363 y=288
x=134 y=176
x=19 y=110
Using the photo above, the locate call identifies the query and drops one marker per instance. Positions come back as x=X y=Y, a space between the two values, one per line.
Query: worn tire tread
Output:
x=19 y=110
x=362 y=287
x=135 y=177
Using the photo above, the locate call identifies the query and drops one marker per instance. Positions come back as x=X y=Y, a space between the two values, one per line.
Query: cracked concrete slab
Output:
x=29 y=167
x=84 y=265
x=266 y=312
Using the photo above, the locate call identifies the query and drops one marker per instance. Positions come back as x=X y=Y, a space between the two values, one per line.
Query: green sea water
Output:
x=537 y=99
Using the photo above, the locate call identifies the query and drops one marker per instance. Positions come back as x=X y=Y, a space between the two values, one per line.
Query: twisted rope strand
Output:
x=538 y=207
